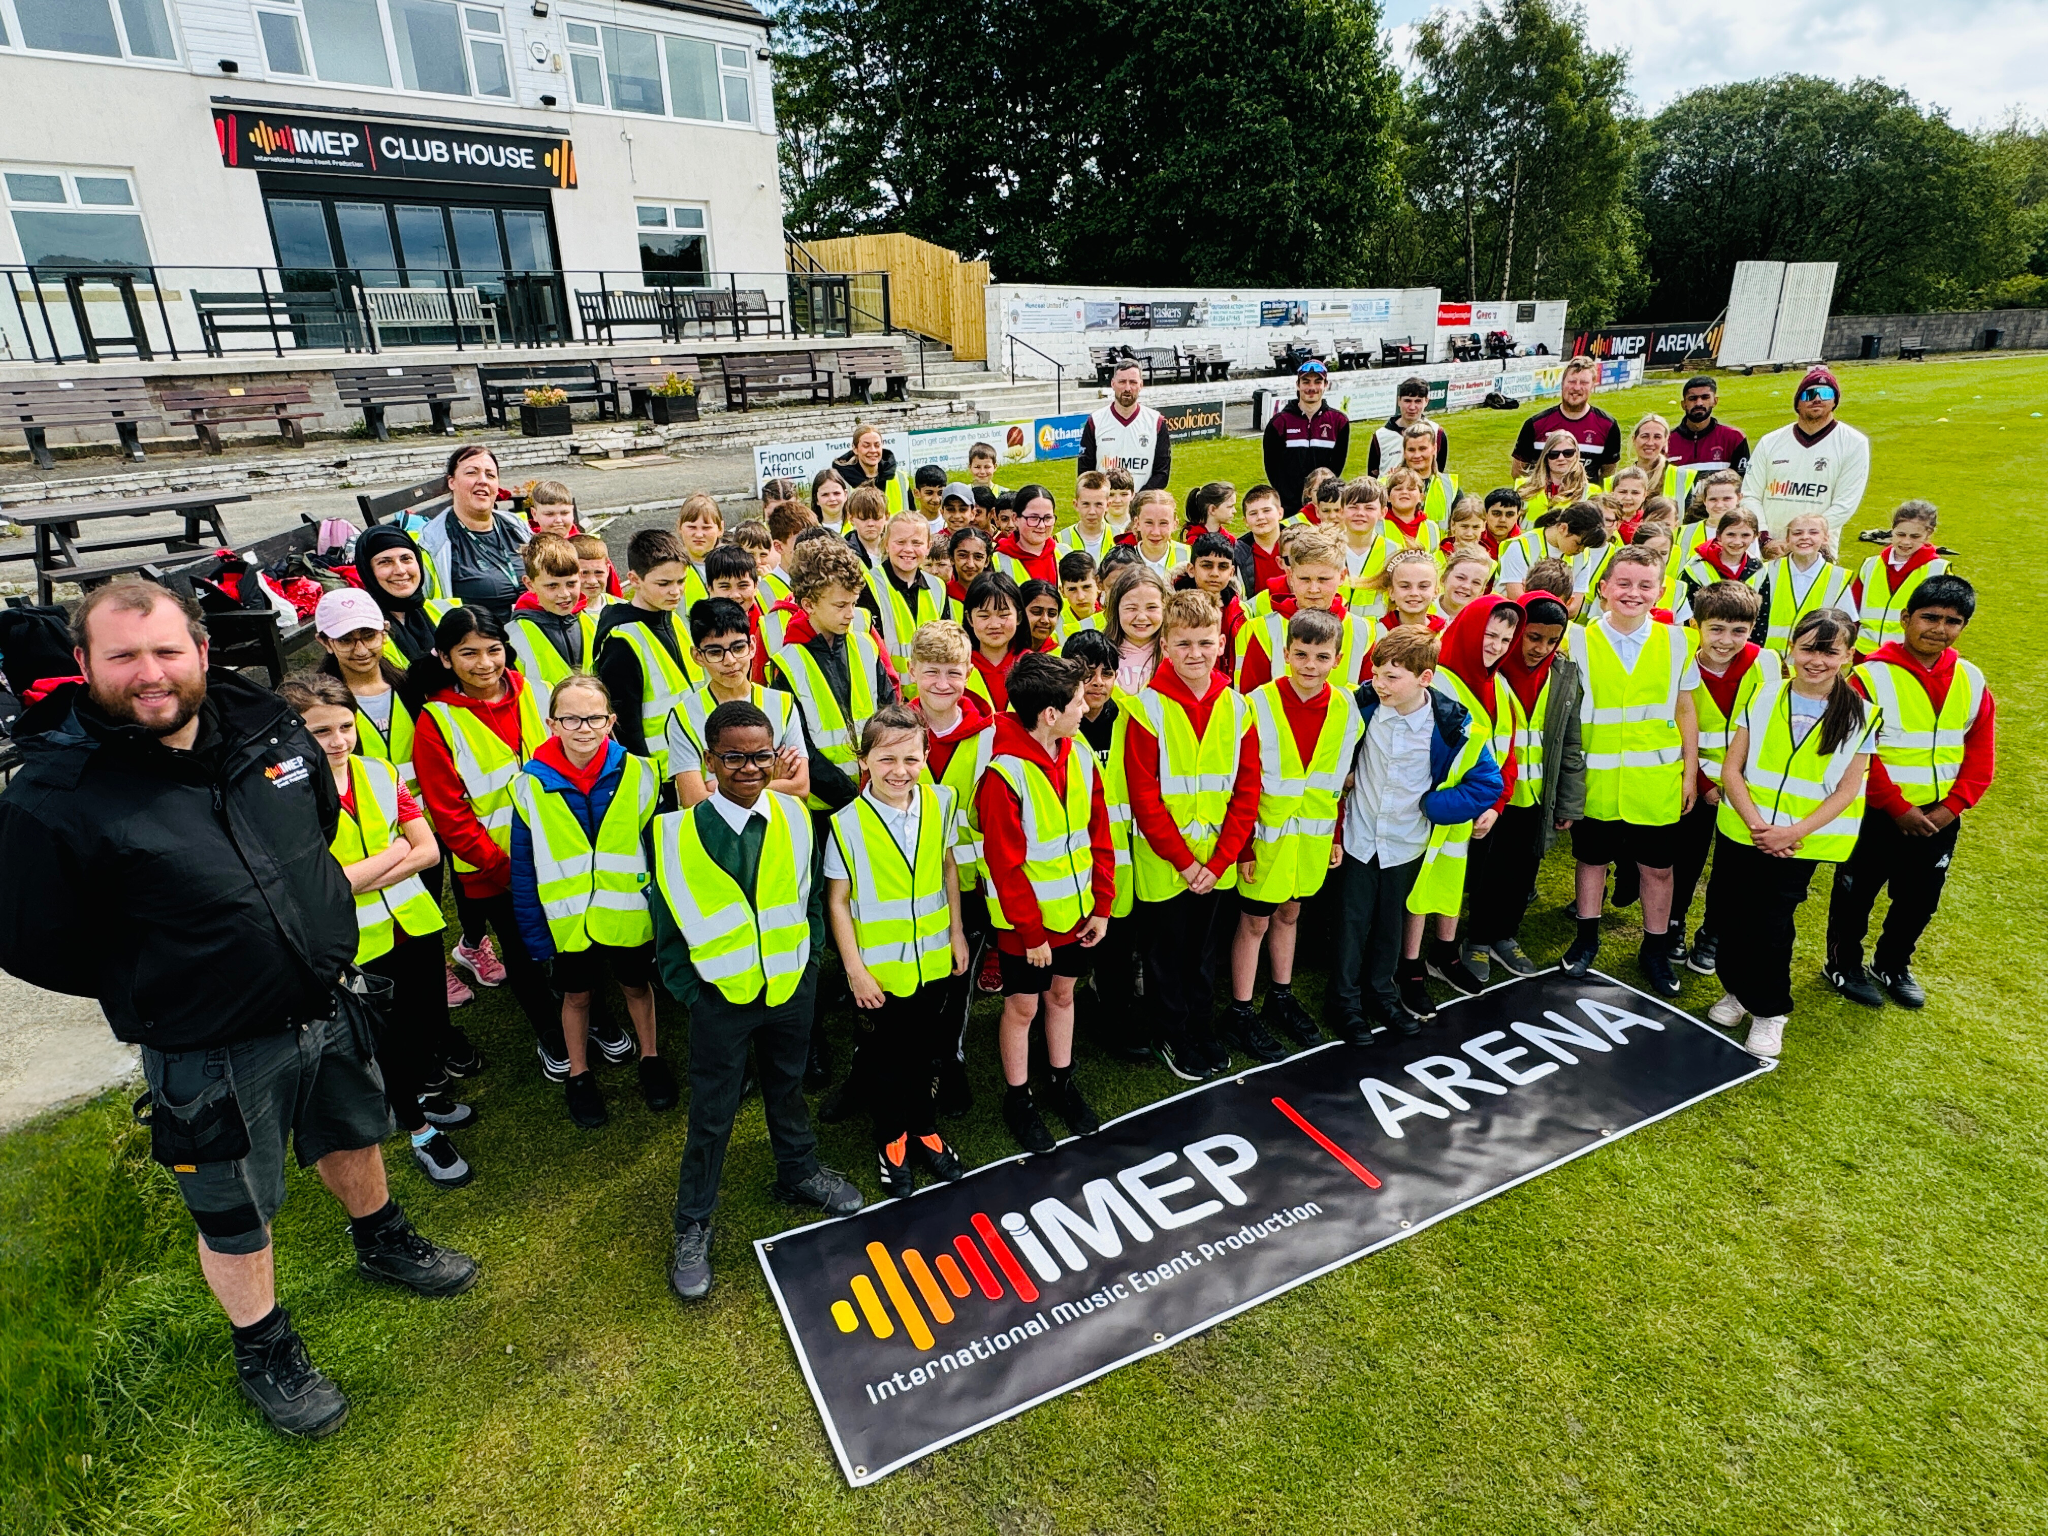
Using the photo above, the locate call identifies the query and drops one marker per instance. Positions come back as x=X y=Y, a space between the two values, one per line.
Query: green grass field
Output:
x=1813 y=1304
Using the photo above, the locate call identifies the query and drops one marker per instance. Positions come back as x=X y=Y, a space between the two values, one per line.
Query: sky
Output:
x=1977 y=60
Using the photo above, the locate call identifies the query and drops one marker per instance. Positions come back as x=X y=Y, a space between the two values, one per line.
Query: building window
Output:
x=75 y=219
x=348 y=42
x=437 y=47
x=486 y=32
x=586 y=64
x=429 y=38
x=674 y=245
x=632 y=70
x=284 y=51
x=135 y=29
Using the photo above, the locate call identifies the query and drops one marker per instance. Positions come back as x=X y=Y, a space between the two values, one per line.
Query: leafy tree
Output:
x=1801 y=169
x=2017 y=152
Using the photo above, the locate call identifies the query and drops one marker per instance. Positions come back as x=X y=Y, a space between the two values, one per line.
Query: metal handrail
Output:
x=1059 y=372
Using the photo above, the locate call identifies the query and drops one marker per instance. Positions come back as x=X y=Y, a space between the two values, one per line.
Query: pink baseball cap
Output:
x=344 y=611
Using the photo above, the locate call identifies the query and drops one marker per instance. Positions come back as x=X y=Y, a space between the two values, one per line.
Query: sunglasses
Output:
x=1562 y=453
x=1817 y=392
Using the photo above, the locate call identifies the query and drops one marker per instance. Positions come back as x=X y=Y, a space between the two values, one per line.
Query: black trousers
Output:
x=528 y=982
x=1695 y=842
x=720 y=1034
x=1753 y=899
x=1499 y=870
x=1916 y=868
x=1179 y=946
x=416 y=1037
x=1113 y=1010
x=899 y=1042
x=1370 y=923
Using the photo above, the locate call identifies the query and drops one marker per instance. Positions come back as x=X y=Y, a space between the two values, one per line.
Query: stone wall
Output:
x=1955 y=331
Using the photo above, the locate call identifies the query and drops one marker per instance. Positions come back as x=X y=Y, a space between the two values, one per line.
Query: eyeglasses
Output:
x=721 y=652
x=359 y=639
x=582 y=722
x=735 y=761
x=1034 y=517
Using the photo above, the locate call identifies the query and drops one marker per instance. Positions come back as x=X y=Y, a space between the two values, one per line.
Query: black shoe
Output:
x=657 y=1083
x=818 y=1065
x=586 y=1101
x=468 y=1060
x=1186 y=1060
x=1854 y=984
x=1284 y=1015
x=1353 y=1031
x=689 y=1263
x=1241 y=1030
x=1066 y=1101
x=1020 y=1114
x=1900 y=987
x=938 y=1157
x=1655 y=964
x=286 y=1387
x=445 y=1113
x=952 y=1094
x=614 y=1041
x=1450 y=969
x=1579 y=958
x=1414 y=993
x=400 y=1255
x=1706 y=949
x=553 y=1067
x=1675 y=950
x=440 y=1162
x=831 y=1192
x=1403 y=1022
x=892 y=1168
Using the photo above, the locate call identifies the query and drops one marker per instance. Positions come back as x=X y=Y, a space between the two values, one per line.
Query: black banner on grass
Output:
x=921 y=1321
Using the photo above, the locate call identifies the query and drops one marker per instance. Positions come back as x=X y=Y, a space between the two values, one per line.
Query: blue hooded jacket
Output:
x=1472 y=796
x=589 y=810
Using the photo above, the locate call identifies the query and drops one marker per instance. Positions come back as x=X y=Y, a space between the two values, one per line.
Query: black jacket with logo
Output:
x=193 y=894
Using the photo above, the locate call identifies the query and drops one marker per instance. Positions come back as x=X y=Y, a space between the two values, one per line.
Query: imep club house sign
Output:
x=920 y=1321
x=265 y=139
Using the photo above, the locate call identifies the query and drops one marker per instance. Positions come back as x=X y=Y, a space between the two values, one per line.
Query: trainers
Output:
x=482 y=963
x=617 y=1045
x=657 y=1083
x=1477 y=960
x=1186 y=1060
x=1854 y=984
x=1706 y=949
x=1579 y=958
x=1900 y=987
x=831 y=1192
x=1283 y=1014
x=939 y=1159
x=892 y=1168
x=458 y=990
x=1510 y=956
x=552 y=1067
x=990 y=978
x=1353 y=1031
x=1415 y=997
x=1066 y=1101
x=586 y=1101
x=444 y=1113
x=467 y=1061
x=1241 y=1030
x=440 y=1162
x=1447 y=968
x=1766 y=1036
x=279 y=1378
x=1021 y=1115
x=689 y=1264
x=1654 y=961
x=1675 y=950
x=399 y=1254
x=1728 y=1012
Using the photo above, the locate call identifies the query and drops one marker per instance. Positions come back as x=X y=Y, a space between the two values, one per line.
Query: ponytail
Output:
x=1831 y=629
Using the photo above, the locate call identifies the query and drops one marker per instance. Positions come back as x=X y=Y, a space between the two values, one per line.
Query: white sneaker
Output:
x=1766 y=1036
x=1727 y=1013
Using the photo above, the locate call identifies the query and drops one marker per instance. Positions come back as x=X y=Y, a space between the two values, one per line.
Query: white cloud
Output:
x=1976 y=61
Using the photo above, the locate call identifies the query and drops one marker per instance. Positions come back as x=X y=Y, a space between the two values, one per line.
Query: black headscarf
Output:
x=407 y=616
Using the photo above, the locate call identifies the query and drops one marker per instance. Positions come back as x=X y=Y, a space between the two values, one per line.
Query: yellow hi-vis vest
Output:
x=1440 y=883
x=663 y=683
x=831 y=732
x=1297 y=800
x=1528 y=726
x=1116 y=800
x=1922 y=750
x=1881 y=616
x=744 y=943
x=1072 y=623
x=1788 y=783
x=1715 y=727
x=1196 y=776
x=395 y=747
x=770 y=587
x=687 y=721
x=1628 y=721
x=435 y=608
x=1427 y=537
x=900 y=918
x=540 y=663
x=962 y=777
x=370 y=831
x=900 y=620
x=1354 y=645
x=1829 y=588
x=1071 y=540
x=486 y=765
x=592 y=894
x=1059 y=856
x=1360 y=597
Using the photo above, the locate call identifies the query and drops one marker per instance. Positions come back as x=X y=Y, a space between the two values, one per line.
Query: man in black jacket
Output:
x=1305 y=435
x=167 y=848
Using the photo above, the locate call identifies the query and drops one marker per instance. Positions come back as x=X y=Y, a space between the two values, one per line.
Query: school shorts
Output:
x=1021 y=977
x=1619 y=842
x=581 y=971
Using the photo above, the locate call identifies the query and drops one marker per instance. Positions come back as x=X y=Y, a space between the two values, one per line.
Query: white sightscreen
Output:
x=1803 y=305
x=1752 y=314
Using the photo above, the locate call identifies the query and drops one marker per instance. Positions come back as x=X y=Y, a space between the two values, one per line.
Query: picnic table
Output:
x=61 y=547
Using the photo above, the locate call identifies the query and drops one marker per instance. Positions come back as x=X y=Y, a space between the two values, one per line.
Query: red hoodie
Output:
x=455 y=824
x=1710 y=551
x=1980 y=741
x=556 y=756
x=1044 y=566
x=1258 y=666
x=1460 y=655
x=939 y=747
x=1412 y=529
x=1003 y=846
x=994 y=675
x=1141 y=766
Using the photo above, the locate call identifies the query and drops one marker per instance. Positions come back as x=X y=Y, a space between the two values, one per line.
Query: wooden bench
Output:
x=252 y=637
x=612 y=309
x=1106 y=360
x=1161 y=364
x=418 y=501
x=211 y=409
x=275 y=315
x=1351 y=352
x=579 y=381
x=459 y=309
x=61 y=548
x=635 y=377
x=1913 y=348
x=1402 y=350
x=31 y=407
x=747 y=375
x=861 y=366
x=1289 y=355
x=1467 y=348
x=376 y=388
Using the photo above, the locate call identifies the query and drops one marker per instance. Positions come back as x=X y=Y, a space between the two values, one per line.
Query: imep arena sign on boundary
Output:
x=920 y=1321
